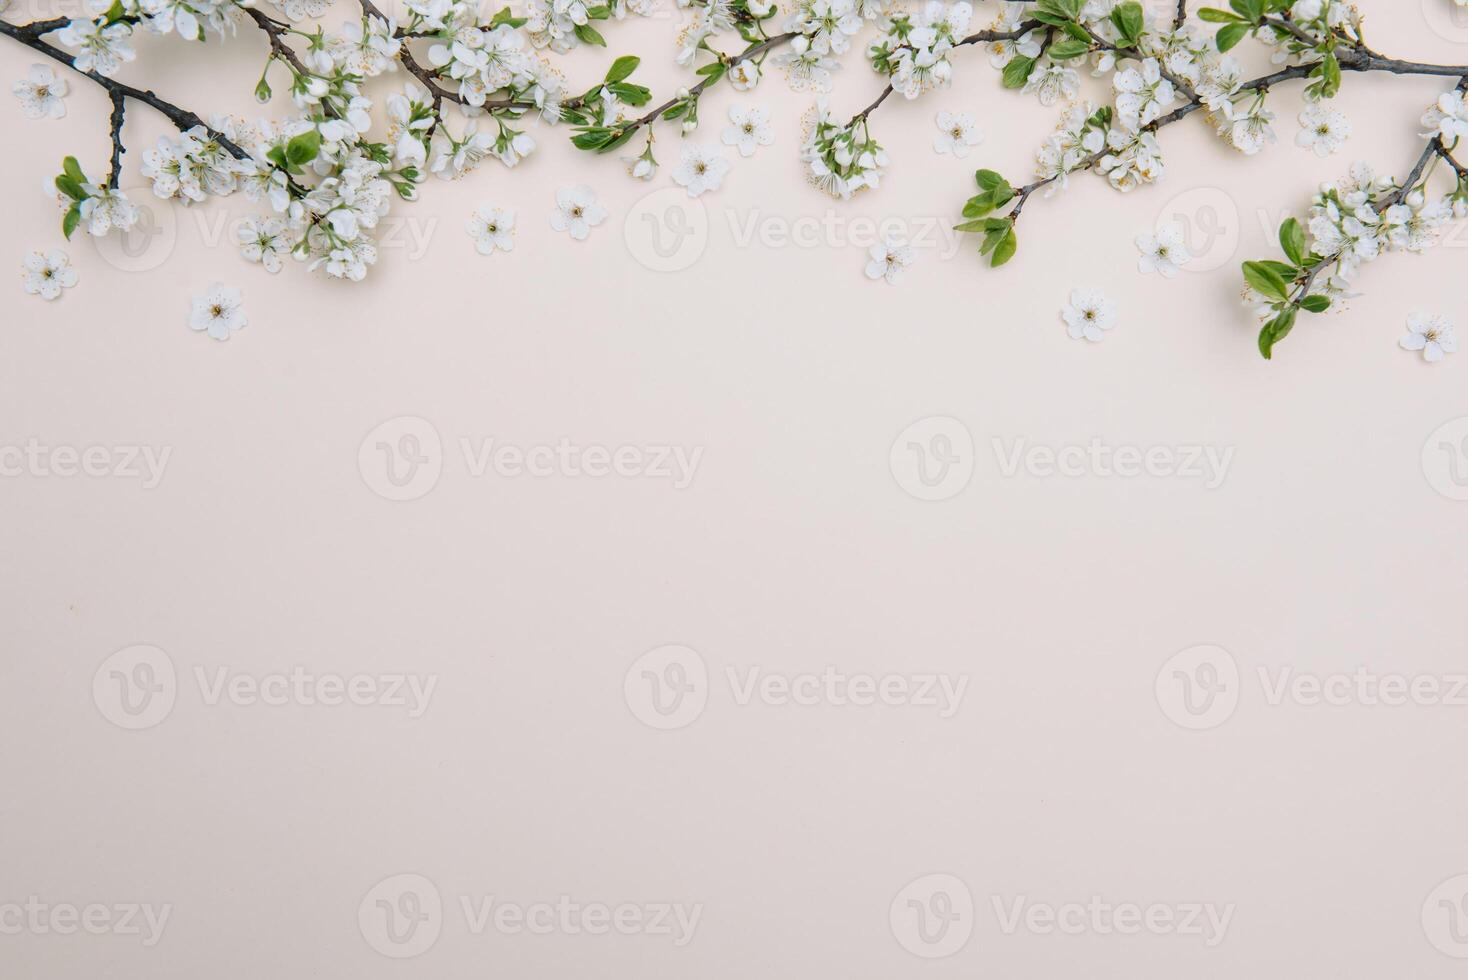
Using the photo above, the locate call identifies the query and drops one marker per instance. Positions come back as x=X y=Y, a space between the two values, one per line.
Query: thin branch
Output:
x=978 y=37
x=753 y=51
x=276 y=31
x=182 y=119
x=119 y=109
x=1182 y=15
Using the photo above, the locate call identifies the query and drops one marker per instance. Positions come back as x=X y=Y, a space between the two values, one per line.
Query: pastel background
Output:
x=1332 y=543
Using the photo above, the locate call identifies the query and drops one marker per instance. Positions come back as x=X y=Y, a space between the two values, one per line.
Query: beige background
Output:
x=1060 y=777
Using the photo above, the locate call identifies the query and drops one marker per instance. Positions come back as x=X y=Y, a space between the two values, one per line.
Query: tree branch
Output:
x=119 y=108
x=182 y=119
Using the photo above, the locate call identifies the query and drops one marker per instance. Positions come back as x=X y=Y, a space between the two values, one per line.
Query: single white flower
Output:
x=1434 y=336
x=1165 y=252
x=750 y=129
x=492 y=228
x=702 y=169
x=956 y=133
x=577 y=211
x=1089 y=314
x=744 y=75
x=1448 y=118
x=45 y=274
x=264 y=241
x=1322 y=129
x=219 y=311
x=889 y=259
x=41 y=93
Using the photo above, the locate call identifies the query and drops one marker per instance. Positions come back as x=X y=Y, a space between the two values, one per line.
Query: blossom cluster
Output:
x=840 y=158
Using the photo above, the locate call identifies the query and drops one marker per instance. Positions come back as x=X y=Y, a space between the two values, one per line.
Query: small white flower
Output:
x=577 y=211
x=41 y=93
x=702 y=169
x=264 y=241
x=1165 y=252
x=750 y=129
x=492 y=228
x=45 y=274
x=1434 y=336
x=219 y=311
x=889 y=259
x=744 y=75
x=1322 y=129
x=1089 y=314
x=1448 y=118
x=957 y=132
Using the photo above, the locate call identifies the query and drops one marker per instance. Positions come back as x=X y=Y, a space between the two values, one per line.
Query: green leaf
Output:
x=622 y=67
x=1330 y=70
x=1017 y=72
x=1265 y=281
x=1315 y=304
x=70 y=187
x=630 y=94
x=1274 y=331
x=72 y=169
x=588 y=35
x=507 y=16
x=1292 y=240
x=302 y=149
x=70 y=220
x=1068 y=49
x=1215 y=16
x=1229 y=37
x=1128 y=19
x=989 y=179
x=1005 y=250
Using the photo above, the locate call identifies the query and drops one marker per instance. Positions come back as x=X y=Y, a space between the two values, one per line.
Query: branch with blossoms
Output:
x=478 y=82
